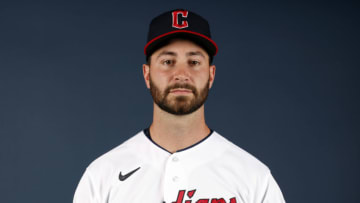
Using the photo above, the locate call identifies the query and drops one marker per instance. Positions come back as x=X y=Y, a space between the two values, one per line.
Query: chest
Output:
x=177 y=182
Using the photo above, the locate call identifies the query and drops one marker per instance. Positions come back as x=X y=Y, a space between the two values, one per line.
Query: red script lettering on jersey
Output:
x=190 y=194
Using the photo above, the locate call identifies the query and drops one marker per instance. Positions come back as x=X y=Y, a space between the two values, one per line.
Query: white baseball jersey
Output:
x=211 y=171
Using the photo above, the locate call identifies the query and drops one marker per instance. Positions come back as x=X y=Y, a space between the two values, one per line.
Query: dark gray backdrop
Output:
x=286 y=90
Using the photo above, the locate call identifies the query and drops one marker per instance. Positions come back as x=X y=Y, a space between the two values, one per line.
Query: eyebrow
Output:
x=166 y=53
x=192 y=53
x=195 y=53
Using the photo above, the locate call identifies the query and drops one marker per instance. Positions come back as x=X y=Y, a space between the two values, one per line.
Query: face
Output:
x=179 y=77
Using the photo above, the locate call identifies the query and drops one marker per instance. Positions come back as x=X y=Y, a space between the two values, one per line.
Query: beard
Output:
x=181 y=104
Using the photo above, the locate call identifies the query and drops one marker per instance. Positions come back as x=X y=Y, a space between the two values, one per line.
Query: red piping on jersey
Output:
x=187 y=31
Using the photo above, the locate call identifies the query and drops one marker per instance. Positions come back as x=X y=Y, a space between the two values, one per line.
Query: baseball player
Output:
x=178 y=158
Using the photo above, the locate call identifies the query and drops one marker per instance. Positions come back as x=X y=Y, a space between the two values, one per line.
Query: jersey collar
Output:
x=146 y=131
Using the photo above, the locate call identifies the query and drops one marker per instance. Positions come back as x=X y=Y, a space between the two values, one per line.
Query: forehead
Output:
x=181 y=46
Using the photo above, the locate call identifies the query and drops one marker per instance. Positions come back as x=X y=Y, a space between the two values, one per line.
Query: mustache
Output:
x=182 y=86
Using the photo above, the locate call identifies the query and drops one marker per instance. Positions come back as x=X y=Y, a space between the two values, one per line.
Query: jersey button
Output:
x=175 y=159
x=175 y=179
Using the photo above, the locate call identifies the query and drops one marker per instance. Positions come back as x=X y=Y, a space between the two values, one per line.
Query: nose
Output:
x=181 y=74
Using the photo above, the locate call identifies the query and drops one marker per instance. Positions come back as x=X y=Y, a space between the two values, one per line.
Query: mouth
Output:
x=180 y=91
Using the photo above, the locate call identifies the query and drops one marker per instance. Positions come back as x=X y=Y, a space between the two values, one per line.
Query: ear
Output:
x=146 y=74
x=212 y=75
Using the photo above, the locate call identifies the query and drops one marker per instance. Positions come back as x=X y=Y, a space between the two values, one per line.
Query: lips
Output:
x=179 y=90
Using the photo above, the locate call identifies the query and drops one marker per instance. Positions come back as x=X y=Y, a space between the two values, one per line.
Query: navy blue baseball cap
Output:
x=179 y=23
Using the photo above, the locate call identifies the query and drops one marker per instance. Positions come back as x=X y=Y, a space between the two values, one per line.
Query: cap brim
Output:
x=204 y=41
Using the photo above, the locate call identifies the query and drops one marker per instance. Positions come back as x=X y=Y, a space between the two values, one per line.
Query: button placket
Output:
x=175 y=159
x=176 y=167
x=174 y=178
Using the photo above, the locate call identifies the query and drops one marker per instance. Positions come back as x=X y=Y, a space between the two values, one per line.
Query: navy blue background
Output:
x=286 y=90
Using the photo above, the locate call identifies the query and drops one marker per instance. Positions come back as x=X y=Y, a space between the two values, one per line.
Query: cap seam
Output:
x=185 y=31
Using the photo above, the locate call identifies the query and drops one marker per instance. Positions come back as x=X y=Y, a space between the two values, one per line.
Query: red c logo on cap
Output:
x=175 y=19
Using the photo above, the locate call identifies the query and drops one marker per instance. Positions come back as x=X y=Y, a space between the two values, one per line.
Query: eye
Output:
x=194 y=62
x=167 y=62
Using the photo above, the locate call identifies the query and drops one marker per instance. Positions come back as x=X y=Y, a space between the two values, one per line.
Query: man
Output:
x=178 y=159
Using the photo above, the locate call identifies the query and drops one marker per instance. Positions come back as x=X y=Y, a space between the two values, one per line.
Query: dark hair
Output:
x=166 y=42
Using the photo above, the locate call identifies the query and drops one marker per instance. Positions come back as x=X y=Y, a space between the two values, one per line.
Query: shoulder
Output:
x=122 y=155
x=239 y=159
x=254 y=175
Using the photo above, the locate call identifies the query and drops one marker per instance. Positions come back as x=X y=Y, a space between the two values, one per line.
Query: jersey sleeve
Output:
x=271 y=192
x=85 y=191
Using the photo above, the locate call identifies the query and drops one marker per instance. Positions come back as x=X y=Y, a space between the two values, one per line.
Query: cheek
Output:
x=202 y=79
x=158 y=79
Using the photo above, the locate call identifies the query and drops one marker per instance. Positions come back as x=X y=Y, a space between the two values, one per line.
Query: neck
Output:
x=173 y=132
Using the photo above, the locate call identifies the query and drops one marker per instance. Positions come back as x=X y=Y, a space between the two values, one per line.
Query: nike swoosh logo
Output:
x=124 y=177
